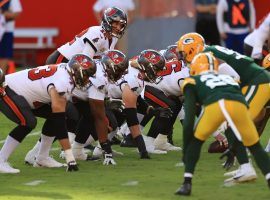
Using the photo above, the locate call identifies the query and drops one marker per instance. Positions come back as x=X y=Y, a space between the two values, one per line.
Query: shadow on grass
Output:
x=34 y=194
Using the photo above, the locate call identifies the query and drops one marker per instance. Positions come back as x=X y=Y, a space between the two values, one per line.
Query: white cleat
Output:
x=5 y=168
x=30 y=157
x=149 y=143
x=79 y=154
x=48 y=162
x=243 y=175
x=161 y=143
x=98 y=152
x=232 y=173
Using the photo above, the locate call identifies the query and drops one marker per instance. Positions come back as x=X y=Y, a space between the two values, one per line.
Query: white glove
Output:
x=108 y=159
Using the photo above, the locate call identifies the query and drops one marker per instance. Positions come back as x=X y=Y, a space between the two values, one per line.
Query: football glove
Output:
x=114 y=104
x=108 y=159
x=230 y=158
x=72 y=166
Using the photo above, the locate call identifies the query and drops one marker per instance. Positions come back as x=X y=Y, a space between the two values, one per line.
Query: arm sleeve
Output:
x=190 y=113
x=219 y=16
x=252 y=15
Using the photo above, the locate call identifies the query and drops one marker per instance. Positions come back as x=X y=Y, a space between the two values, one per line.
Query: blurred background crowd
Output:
x=42 y=26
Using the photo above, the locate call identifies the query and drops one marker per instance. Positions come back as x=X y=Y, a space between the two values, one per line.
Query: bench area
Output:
x=25 y=53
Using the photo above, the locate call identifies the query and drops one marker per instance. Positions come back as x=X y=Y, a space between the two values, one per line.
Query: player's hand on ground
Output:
x=230 y=157
x=72 y=166
x=108 y=159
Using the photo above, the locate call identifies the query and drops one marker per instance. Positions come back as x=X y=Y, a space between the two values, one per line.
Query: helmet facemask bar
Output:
x=150 y=73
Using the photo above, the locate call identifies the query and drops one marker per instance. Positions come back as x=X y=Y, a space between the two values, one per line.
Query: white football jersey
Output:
x=133 y=80
x=92 y=37
x=172 y=77
x=33 y=84
x=259 y=35
x=99 y=84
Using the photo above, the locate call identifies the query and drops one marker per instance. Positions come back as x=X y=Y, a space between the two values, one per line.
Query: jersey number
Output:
x=230 y=52
x=213 y=81
x=175 y=66
x=78 y=36
x=39 y=73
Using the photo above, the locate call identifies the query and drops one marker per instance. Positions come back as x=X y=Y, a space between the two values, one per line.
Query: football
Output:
x=216 y=147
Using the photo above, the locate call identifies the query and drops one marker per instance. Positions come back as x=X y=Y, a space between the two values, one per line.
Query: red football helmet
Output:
x=81 y=68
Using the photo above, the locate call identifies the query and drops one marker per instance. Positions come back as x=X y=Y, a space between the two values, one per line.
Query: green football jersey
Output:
x=250 y=73
x=211 y=87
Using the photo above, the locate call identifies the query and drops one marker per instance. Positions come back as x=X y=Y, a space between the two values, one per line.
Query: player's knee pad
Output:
x=59 y=124
x=20 y=132
x=131 y=116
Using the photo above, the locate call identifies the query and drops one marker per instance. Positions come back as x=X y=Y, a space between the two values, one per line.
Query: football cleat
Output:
x=72 y=166
x=243 y=175
x=185 y=189
x=30 y=157
x=161 y=143
x=48 y=162
x=149 y=144
x=79 y=154
x=5 y=168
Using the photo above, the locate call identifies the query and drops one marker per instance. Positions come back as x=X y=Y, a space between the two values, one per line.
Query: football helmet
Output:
x=203 y=62
x=171 y=53
x=111 y=15
x=81 y=67
x=150 y=63
x=189 y=45
x=266 y=62
x=115 y=64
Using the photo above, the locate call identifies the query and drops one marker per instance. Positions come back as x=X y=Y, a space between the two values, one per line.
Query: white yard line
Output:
x=34 y=183
x=130 y=183
x=31 y=134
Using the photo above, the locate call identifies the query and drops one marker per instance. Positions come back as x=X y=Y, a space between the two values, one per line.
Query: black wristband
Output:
x=106 y=147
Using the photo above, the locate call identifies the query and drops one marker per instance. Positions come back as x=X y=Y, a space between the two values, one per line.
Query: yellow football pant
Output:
x=235 y=113
x=257 y=97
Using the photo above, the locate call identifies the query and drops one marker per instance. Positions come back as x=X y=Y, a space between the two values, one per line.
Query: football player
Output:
x=254 y=42
x=254 y=83
x=144 y=69
x=222 y=100
x=95 y=40
x=27 y=94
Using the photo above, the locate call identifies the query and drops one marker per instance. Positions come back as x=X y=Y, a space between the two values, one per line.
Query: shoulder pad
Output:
x=187 y=81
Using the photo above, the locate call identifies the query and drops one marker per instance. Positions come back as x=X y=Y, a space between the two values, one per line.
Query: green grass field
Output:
x=131 y=178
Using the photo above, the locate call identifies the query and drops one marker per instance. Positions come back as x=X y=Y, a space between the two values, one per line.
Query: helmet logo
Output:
x=188 y=41
x=151 y=57
x=115 y=58
x=111 y=11
x=83 y=61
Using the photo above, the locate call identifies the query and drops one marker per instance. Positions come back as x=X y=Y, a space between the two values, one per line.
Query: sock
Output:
x=69 y=155
x=8 y=147
x=140 y=143
x=90 y=140
x=238 y=147
x=261 y=157
x=188 y=178
x=45 y=146
x=192 y=155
